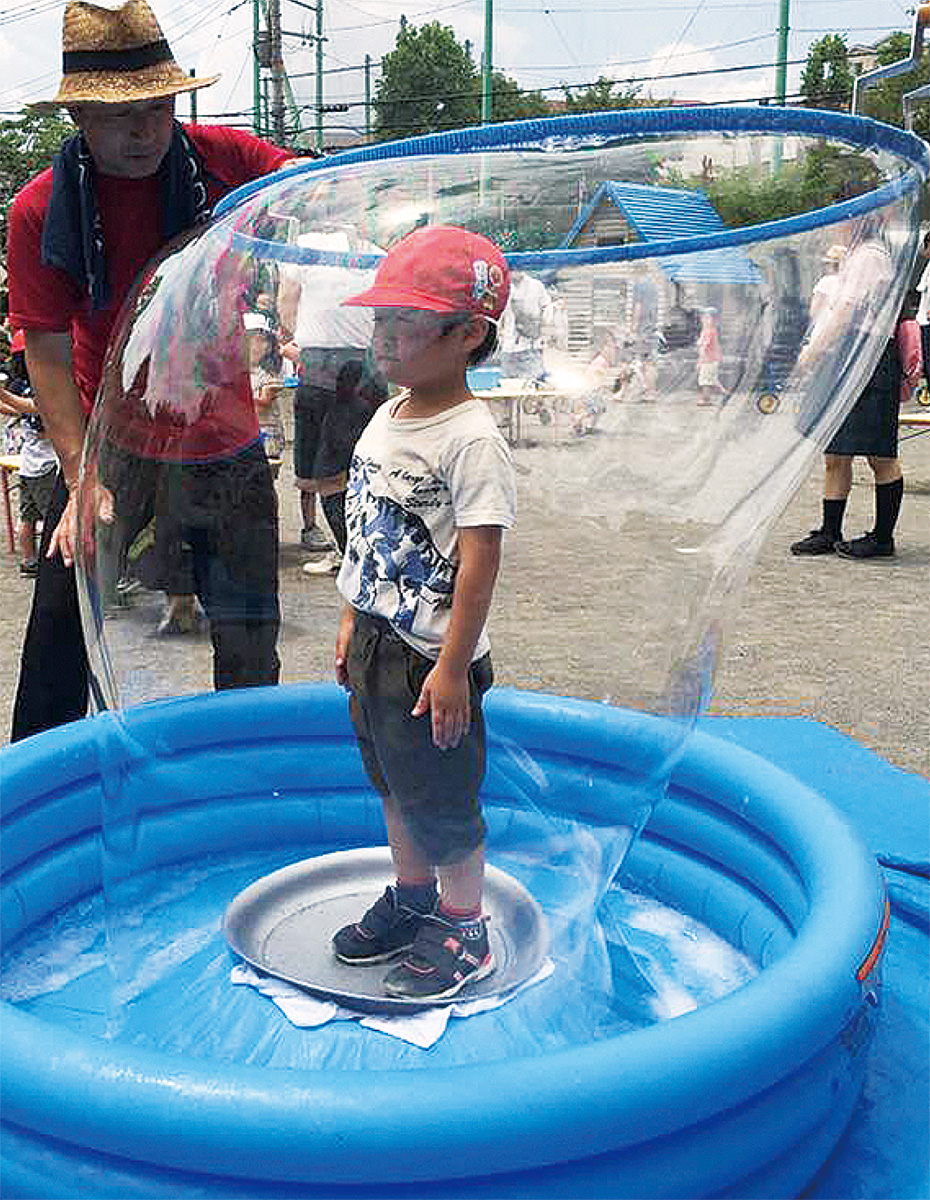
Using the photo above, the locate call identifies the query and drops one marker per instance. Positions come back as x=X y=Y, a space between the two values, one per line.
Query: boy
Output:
x=430 y=491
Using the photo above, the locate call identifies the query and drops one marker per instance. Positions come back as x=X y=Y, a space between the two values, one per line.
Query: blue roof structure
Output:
x=658 y=214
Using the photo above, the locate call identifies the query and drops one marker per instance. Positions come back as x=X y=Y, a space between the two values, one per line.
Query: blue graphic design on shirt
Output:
x=393 y=548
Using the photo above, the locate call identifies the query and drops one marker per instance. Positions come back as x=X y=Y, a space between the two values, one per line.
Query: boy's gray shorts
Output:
x=436 y=790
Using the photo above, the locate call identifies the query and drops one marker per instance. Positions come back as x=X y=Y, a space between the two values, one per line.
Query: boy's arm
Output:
x=445 y=692
x=343 y=635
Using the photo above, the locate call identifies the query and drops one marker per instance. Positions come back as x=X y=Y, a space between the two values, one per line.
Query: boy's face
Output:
x=413 y=347
x=127 y=140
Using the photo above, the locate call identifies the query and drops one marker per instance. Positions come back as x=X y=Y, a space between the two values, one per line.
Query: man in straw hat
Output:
x=79 y=233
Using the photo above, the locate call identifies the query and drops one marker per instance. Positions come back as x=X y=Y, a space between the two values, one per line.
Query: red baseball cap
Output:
x=441 y=268
x=19 y=341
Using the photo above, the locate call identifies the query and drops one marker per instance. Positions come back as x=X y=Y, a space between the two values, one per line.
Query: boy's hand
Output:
x=445 y=696
x=343 y=636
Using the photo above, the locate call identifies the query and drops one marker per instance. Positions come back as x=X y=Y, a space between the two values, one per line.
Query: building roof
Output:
x=659 y=214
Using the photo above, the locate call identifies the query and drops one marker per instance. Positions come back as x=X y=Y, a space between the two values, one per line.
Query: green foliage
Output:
x=822 y=176
x=510 y=103
x=27 y=145
x=827 y=78
x=428 y=83
x=600 y=96
x=885 y=101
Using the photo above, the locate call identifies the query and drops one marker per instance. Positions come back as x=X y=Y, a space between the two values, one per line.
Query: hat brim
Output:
x=382 y=296
x=95 y=87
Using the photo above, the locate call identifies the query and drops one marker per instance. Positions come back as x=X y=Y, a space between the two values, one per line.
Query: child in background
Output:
x=709 y=356
x=38 y=460
x=430 y=491
x=266 y=378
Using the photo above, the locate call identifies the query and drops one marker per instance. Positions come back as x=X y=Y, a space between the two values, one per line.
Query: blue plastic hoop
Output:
x=631 y=124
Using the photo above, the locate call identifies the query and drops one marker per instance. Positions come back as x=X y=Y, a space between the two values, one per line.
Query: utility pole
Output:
x=319 y=76
x=486 y=62
x=256 y=70
x=781 y=63
x=367 y=97
x=277 y=72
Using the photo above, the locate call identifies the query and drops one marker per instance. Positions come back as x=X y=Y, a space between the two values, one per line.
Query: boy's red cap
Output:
x=441 y=268
x=19 y=341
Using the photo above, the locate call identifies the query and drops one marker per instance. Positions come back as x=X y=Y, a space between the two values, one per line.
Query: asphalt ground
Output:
x=843 y=642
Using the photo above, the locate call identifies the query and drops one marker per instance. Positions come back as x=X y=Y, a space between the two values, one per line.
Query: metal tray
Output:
x=282 y=924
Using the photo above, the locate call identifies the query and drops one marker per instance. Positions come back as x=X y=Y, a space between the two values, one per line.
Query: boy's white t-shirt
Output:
x=413 y=483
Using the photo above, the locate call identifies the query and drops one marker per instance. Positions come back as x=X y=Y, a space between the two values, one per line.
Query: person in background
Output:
x=709 y=356
x=129 y=181
x=337 y=386
x=524 y=325
x=37 y=456
x=870 y=428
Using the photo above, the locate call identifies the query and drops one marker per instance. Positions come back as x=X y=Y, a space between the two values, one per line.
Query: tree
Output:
x=600 y=96
x=428 y=83
x=27 y=145
x=827 y=79
x=510 y=103
x=885 y=101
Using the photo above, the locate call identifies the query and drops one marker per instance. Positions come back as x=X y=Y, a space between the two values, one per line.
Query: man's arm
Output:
x=48 y=357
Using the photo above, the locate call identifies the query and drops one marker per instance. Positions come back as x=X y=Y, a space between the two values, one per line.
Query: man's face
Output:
x=127 y=140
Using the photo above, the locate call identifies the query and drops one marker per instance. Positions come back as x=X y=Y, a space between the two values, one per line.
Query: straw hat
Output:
x=115 y=56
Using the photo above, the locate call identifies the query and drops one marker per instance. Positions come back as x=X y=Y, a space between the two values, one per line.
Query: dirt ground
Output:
x=843 y=642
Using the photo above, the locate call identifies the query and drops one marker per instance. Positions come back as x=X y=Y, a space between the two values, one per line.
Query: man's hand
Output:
x=445 y=696
x=98 y=506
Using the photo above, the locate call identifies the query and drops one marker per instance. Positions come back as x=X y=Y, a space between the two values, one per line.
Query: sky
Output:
x=685 y=49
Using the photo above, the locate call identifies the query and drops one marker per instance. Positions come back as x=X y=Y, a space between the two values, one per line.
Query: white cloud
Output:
x=685 y=72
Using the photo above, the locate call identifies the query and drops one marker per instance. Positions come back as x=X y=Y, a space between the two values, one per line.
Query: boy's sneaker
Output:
x=867 y=546
x=386 y=930
x=442 y=962
x=29 y=568
x=818 y=541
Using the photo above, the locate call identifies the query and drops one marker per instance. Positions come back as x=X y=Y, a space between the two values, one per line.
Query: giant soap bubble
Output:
x=666 y=375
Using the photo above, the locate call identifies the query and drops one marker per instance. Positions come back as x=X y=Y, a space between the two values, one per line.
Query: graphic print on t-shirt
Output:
x=401 y=571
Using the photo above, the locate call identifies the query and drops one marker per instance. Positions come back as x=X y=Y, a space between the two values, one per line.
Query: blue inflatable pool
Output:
x=746 y=1096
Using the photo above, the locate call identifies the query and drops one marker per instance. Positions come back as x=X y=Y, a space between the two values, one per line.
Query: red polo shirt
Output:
x=47 y=299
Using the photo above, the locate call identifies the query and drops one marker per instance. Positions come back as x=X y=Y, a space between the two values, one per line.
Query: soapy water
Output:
x=179 y=997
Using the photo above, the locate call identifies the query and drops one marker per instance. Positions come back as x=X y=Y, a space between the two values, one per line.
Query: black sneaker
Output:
x=818 y=541
x=442 y=962
x=384 y=932
x=867 y=546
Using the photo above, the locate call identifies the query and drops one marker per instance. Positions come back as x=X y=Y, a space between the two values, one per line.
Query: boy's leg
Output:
x=390 y=925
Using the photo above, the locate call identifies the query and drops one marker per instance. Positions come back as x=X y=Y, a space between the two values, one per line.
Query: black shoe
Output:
x=442 y=962
x=30 y=569
x=818 y=541
x=385 y=931
x=867 y=546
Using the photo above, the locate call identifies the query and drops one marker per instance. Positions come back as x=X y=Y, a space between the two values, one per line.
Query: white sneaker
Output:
x=329 y=564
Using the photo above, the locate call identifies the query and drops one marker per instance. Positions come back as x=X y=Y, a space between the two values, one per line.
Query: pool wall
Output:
x=745 y=1097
